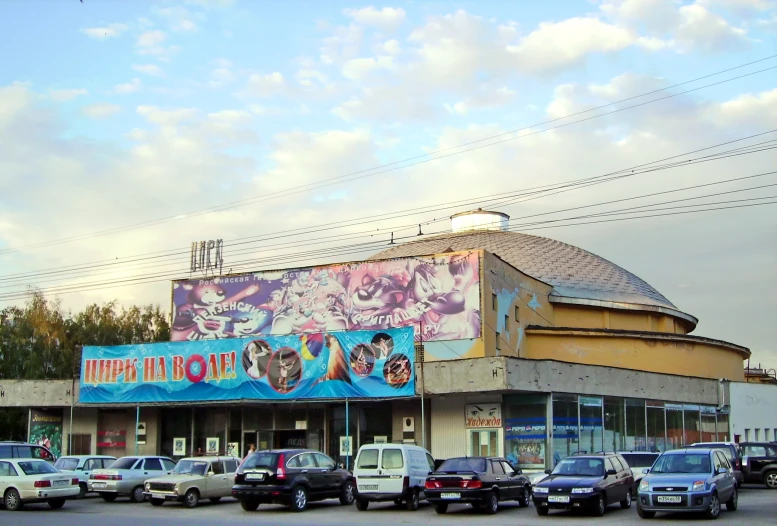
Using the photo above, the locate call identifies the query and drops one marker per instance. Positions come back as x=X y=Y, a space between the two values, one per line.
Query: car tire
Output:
x=770 y=479
x=83 y=490
x=733 y=503
x=713 y=511
x=441 y=508
x=136 y=495
x=413 y=501
x=249 y=504
x=12 y=500
x=600 y=506
x=299 y=498
x=157 y=502
x=541 y=511
x=346 y=496
x=523 y=500
x=645 y=514
x=215 y=500
x=191 y=498
x=492 y=503
x=108 y=497
x=56 y=504
x=362 y=504
x=626 y=503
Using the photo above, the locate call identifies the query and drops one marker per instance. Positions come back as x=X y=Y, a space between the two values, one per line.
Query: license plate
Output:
x=157 y=496
x=368 y=487
x=98 y=484
x=558 y=498
x=254 y=476
x=450 y=495
x=670 y=500
x=61 y=482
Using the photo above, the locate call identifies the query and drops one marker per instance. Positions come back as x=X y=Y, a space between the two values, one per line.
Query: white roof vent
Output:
x=479 y=220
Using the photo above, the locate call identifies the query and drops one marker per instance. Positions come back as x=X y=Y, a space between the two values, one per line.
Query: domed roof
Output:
x=574 y=273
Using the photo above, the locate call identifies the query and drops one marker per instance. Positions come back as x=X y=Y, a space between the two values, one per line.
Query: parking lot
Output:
x=757 y=506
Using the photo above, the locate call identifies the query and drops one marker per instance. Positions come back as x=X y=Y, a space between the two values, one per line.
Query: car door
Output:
x=499 y=478
x=756 y=460
x=311 y=471
x=625 y=475
x=613 y=483
x=727 y=480
x=90 y=464
x=217 y=482
x=333 y=479
x=5 y=476
x=513 y=480
x=152 y=467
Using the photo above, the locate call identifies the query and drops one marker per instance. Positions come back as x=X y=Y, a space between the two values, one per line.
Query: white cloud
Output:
x=109 y=31
x=266 y=85
x=221 y=77
x=705 y=30
x=167 y=117
x=741 y=7
x=152 y=43
x=485 y=97
x=149 y=69
x=101 y=110
x=388 y=18
x=359 y=68
x=127 y=88
x=391 y=47
x=179 y=18
x=63 y=95
x=151 y=38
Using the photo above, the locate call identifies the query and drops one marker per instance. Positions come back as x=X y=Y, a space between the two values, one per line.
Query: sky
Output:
x=130 y=129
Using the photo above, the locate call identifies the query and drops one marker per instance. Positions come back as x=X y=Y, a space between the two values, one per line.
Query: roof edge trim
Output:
x=625 y=306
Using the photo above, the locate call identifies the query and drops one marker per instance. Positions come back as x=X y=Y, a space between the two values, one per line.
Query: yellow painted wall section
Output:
x=681 y=358
x=583 y=317
x=511 y=288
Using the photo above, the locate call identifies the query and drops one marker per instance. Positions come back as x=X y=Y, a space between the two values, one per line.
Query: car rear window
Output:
x=464 y=464
x=261 y=460
x=66 y=463
x=36 y=467
x=639 y=460
x=368 y=459
x=392 y=459
x=124 y=463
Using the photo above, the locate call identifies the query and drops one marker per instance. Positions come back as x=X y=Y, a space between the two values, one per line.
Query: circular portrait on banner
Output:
x=397 y=370
x=256 y=357
x=284 y=370
x=383 y=345
x=362 y=360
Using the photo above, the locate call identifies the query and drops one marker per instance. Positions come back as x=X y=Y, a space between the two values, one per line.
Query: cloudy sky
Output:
x=130 y=129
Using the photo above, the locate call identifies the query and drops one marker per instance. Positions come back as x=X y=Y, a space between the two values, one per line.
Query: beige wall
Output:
x=84 y=423
x=404 y=408
x=450 y=437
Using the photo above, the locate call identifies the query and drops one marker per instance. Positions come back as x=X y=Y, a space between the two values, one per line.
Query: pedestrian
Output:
x=251 y=449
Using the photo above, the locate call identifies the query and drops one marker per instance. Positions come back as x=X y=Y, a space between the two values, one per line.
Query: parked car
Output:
x=30 y=480
x=10 y=449
x=292 y=477
x=391 y=472
x=733 y=454
x=193 y=479
x=688 y=480
x=590 y=482
x=638 y=461
x=82 y=466
x=759 y=462
x=479 y=481
x=125 y=476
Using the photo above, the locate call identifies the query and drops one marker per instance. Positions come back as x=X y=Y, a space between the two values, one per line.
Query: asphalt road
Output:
x=757 y=506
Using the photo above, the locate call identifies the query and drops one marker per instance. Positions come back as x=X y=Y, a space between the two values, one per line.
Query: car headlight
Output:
x=176 y=488
x=540 y=490
x=148 y=486
x=699 y=485
x=644 y=485
x=582 y=490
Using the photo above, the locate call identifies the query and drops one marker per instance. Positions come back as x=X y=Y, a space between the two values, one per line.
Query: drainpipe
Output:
x=137 y=423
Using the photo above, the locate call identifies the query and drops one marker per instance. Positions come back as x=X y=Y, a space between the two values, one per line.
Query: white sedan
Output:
x=30 y=480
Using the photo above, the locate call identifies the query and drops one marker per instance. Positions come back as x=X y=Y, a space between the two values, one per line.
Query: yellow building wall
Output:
x=681 y=358
x=583 y=317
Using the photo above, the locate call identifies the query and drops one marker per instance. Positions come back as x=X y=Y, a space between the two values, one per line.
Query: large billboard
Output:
x=46 y=430
x=437 y=295
x=355 y=364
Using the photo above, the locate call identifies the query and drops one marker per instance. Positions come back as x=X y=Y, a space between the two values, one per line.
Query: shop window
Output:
x=210 y=423
x=691 y=424
x=614 y=424
x=591 y=428
x=175 y=423
x=374 y=421
x=674 y=426
x=707 y=424
x=337 y=430
x=656 y=426
x=526 y=431
x=722 y=426
x=565 y=426
x=635 y=425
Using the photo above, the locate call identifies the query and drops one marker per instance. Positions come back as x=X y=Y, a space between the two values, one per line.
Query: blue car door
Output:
x=725 y=481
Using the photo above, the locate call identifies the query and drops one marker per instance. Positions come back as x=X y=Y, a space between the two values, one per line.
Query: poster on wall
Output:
x=46 y=430
x=233 y=449
x=357 y=364
x=179 y=447
x=483 y=415
x=439 y=296
x=212 y=446
x=525 y=442
x=112 y=438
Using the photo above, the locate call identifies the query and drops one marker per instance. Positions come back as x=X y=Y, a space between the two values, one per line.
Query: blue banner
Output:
x=354 y=364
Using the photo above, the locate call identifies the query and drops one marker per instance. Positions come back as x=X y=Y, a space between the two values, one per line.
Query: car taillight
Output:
x=471 y=484
x=280 y=473
x=42 y=484
x=107 y=477
x=74 y=482
x=406 y=482
x=432 y=484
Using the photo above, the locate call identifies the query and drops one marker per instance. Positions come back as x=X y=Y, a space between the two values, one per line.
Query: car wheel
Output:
x=346 y=497
x=713 y=511
x=55 y=504
x=191 y=498
x=523 y=501
x=645 y=514
x=541 y=511
x=136 y=495
x=108 y=497
x=299 y=498
x=733 y=502
x=83 y=488
x=12 y=500
x=599 y=506
x=441 y=508
x=770 y=479
x=157 y=502
x=215 y=500
x=626 y=503
x=492 y=503
x=249 y=504
x=362 y=504
x=413 y=501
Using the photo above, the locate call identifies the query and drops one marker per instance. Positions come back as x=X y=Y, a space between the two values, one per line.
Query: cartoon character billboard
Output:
x=437 y=295
x=357 y=364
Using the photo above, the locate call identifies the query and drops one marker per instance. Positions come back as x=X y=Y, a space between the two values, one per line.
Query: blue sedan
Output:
x=688 y=480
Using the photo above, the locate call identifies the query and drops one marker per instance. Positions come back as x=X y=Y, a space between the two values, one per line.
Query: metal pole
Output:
x=137 y=423
x=423 y=388
x=347 y=434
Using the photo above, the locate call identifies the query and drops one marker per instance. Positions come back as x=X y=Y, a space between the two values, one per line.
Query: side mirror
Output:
x=611 y=472
x=519 y=472
x=722 y=471
x=547 y=472
x=646 y=471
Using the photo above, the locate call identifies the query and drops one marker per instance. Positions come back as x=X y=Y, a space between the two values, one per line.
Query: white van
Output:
x=386 y=472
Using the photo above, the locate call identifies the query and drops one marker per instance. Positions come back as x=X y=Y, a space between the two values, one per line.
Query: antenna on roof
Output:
x=392 y=239
x=419 y=230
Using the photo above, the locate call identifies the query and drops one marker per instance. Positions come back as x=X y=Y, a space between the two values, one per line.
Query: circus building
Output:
x=481 y=341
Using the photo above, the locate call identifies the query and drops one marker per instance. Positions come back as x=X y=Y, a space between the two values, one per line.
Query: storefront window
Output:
x=591 y=428
x=176 y=423
x=291 y=426
x=708 y=430
x=692 y=424
x=337 y=430
x=210 y=431
x=614 y=424
x=374 y=421
x=565 y=426
x=674 y=426
x=635 y=425
x=656 y=426
x=722 y=426
x=526 y=430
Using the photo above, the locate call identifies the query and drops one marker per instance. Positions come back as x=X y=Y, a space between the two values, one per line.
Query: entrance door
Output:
x=484 y=442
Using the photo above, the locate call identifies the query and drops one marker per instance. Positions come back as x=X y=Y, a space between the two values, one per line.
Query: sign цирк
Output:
x=483 y=415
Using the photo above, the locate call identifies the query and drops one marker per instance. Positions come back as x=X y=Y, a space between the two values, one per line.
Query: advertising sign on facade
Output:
x=46 y=430
x=439 y=296
x=357 y=364
x=483 y=415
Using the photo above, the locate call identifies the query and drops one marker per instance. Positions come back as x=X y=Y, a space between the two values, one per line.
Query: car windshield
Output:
x=682 y=463
x=640 y=460
x=66 y=463
x=261 y=459
x=37 y=467
x=580 y=467
x=124 y=463
x=191 y=467
x=453 y=465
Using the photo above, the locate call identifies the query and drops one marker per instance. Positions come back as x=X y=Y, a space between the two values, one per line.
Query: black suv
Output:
x=10 y=449
x=292 y=477
x=759 y=460
x=479 y=481
x=589 y=482
x=733 y=454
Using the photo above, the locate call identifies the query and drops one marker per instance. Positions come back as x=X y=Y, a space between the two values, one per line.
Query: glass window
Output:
x=716 y=459
x=231 y=466
x=456 y=465
x=565 y=426
x=617 y=464
x=153 y=464
x=67 y=463
x=392 y=459
x=608 y=465
x=324 y=461
x=525 y=430
x=635 y=425
x=93 y=463
x=368 y=459
x=722 y=420
x=217 y=467
x=167 y=463
x=124 y=463
x=755 y=451
x=674 y=426
x=708 y=430
x=591 y=428
x=682 y=463
x=579 y=467
x=374 y=420
x=508 y=468
x=614 y=424
x=639 y=460
x=656 y=427
x=191 y=467
x=37 y=467
x=6 y=452
x=692 y=424
x=5 y=469
x=261 y=460
x=497 y=468
x=430 y=461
